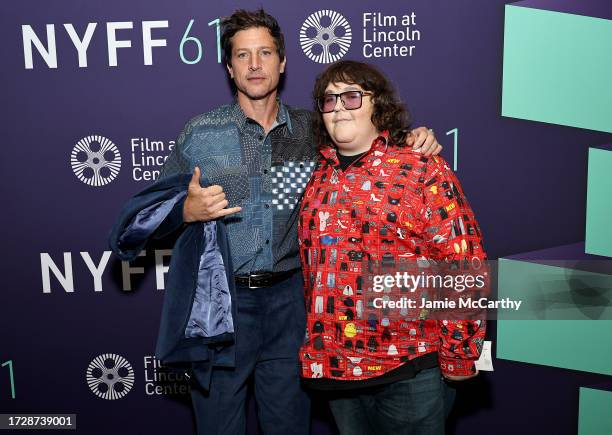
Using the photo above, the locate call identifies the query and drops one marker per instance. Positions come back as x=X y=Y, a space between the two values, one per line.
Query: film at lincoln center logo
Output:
x=110 y=376
x=95 y=160
x=325 y=36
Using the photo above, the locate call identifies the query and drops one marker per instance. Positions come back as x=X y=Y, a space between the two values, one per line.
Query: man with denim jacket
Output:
x=255 y=155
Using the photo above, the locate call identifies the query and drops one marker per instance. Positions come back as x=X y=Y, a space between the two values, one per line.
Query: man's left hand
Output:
x=424 y=140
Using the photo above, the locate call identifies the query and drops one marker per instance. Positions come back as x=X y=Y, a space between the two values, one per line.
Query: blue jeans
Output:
x=410 y=407
x=270 y=327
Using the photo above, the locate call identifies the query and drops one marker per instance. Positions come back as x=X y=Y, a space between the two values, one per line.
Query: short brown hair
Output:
x=388 y=114
x=243 y=20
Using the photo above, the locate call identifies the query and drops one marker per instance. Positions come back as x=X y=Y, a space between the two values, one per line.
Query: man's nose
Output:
x=254 y=63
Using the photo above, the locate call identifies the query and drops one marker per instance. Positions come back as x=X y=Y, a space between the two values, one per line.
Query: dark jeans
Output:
x=411 y=407
x=270 y=328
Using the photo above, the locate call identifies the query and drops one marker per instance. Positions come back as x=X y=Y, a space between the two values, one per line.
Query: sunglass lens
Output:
x=352 y=100
x=327 y=103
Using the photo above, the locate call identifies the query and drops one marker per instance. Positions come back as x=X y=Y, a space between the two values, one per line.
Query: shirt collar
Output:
x=282 y=117
x=379 y=145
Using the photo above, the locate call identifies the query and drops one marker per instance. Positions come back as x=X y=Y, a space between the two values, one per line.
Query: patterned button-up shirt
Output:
x=264 y=173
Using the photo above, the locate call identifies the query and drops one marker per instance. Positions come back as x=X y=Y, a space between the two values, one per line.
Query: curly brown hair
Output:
x=388 y=114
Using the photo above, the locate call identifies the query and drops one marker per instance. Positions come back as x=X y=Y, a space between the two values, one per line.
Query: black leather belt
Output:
x=263 y=279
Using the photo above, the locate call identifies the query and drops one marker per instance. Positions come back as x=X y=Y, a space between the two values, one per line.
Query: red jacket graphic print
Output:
x=391 y=204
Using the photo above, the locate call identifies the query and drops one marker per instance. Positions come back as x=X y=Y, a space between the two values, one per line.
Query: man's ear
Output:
x=282 y=64
x=230 y=70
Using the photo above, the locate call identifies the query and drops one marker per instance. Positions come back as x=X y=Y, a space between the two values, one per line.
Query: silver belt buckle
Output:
x=251 y=275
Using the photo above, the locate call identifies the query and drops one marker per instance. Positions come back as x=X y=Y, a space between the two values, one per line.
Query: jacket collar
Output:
x=378 y=148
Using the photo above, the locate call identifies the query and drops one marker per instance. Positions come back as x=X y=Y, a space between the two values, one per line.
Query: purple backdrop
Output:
x=525 y=180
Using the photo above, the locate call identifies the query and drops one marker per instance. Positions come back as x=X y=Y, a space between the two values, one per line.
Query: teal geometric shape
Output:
x=553 y=291
x=584 y=345
x=595 y=412
x=557 y=68
x=599 y=202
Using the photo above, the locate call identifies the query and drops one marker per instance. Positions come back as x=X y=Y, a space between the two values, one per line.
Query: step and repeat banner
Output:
x=94 y=95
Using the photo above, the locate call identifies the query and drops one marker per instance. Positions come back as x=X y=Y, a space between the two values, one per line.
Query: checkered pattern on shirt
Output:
x=288 y=182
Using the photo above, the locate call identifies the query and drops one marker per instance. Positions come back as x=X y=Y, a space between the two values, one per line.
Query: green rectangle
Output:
x=595 y=414
x=557 y=68
x=598 y=239
x=584 y=345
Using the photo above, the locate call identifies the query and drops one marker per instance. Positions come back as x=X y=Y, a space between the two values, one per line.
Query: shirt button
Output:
x=267 y=206
x=261 y=137
x=265 y=171
x=267 y=242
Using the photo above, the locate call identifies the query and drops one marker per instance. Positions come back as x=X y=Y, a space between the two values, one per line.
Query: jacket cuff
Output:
x=456 y=366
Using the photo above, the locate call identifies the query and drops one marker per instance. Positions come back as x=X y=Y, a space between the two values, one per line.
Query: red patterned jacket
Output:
x=391 y=202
